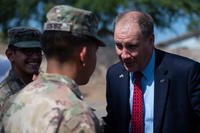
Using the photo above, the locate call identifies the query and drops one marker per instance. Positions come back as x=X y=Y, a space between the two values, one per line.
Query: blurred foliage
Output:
x=164 y=12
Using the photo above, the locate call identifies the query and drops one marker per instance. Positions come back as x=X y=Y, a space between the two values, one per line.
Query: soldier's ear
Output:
x=83 y=55
x=10 y=54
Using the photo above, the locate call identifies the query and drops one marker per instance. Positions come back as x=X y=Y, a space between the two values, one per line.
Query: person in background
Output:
x=53 y=102
x=149 y=90
x=25 y=55
x=5 y=67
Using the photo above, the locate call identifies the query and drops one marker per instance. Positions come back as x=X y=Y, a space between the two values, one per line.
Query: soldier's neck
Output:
x=66 y=68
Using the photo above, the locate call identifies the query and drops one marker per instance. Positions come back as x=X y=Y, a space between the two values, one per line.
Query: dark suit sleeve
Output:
x=179 y=97
x=117 y=95
x=194 y=89
x=108 y=118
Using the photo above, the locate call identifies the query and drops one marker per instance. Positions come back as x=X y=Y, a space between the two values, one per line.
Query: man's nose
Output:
x=125 y=53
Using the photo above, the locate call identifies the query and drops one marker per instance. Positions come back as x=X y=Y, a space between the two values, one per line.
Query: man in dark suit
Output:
x=170 y=83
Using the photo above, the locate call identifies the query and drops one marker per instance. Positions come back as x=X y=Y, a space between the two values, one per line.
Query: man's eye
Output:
x=119 y=46
x=132 y=47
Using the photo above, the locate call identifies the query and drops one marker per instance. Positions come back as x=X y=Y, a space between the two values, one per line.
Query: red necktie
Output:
x=137 y=107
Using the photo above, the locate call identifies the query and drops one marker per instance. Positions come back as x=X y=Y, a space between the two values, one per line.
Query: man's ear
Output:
x=83 y=54
x=10 y=54
x=151 y=39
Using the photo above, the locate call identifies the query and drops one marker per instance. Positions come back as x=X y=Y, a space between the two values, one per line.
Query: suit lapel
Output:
x=123 y=84
x=161 y=90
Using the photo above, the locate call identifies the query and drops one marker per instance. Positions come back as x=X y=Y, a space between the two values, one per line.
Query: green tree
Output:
x=164 y=12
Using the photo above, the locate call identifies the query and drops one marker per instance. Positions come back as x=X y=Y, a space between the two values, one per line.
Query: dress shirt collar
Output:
x=148 y=71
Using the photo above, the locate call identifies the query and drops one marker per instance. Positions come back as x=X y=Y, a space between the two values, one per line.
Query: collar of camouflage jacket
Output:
x=15 y=83
x=66 y=80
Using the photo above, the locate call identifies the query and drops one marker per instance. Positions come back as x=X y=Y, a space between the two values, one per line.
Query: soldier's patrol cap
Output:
x=24 y=37
x=74 y=20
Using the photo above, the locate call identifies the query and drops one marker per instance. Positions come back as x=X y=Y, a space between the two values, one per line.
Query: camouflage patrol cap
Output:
x=74 y=20
x=24 y=37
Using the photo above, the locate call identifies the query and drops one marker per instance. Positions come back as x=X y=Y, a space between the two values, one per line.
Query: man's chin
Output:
x=32 y=68
x=32 y=72
x=130 y=69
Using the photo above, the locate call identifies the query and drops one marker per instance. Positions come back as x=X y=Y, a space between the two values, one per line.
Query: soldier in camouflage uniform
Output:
x=53 y=103
x=25 y=55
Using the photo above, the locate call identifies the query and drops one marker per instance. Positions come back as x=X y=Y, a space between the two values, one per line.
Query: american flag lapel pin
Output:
x=162 y=80
x=121 y=76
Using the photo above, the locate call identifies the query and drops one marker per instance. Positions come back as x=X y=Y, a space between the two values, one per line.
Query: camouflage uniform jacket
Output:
x=9 y=86
x=50 y=104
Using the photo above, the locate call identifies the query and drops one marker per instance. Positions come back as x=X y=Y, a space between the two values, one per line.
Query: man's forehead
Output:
x=127 y=33
x=126 y=30
x=124 y=26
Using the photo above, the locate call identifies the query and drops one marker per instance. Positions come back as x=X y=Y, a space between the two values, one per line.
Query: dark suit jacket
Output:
x=176 y=98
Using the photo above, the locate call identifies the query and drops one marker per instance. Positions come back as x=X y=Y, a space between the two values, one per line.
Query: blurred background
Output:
x=177 y=30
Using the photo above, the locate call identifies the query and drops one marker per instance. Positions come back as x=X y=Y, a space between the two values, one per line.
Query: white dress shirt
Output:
x=148 y=93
